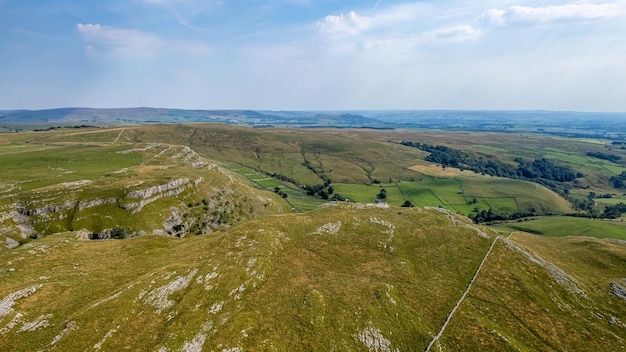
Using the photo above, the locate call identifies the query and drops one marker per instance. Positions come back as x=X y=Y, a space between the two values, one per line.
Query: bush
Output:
x=118 y=233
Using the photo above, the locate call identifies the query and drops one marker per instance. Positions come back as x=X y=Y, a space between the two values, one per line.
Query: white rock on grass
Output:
x=11 y=243
x=40 y=322
x=374 y=340
x=330 y=228
x=560 y=276
x=158 y=297
x=196 y=344
x=71 y=326
x=6 y=305
x=106 y=336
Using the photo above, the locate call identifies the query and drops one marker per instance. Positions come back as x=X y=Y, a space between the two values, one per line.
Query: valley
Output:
x=215 y=237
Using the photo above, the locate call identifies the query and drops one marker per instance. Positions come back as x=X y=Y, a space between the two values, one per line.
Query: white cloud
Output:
x=399 y=29
x=130 y=43
x=119 y=42
x=454 y=33
x=550 y=14
x=351 y=24
x=354 y=24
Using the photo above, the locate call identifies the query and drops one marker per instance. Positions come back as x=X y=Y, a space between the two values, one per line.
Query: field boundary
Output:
x=469 y=286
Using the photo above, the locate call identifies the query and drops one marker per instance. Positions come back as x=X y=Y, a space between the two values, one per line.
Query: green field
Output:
x=296 y=197
x=560 y=226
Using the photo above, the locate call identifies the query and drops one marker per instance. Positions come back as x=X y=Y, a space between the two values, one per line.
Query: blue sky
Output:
x=314 y=55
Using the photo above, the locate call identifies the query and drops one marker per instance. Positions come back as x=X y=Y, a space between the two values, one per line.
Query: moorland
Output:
x=354 y=233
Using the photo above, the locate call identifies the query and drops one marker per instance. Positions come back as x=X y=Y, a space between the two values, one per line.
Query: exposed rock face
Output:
x=148 y=192
x=184 y=204
x=155 y=193
x=619 y=288
x=48 y=209
x=6 y=305
x=96 y=202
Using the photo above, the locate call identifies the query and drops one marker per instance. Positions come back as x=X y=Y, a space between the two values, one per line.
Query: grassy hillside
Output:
x=568 y=226
x=278 y=269
x=351 y=159
x=545 y=295
x=343 y=278
x=121 y=189
x=357 y=162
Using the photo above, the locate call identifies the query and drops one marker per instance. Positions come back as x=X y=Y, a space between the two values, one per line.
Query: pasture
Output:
x=561 y=226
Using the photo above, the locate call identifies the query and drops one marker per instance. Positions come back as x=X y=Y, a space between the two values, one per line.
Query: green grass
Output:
x=358 y=192
x=74 y=187
x=446 y=190
x=611 y=201
x=295 y=196
x=518 y=304
x=424 y=197
x=314 y=281
x=281 y=280
x=526 y=195
x=39 y=168
x=561 y=226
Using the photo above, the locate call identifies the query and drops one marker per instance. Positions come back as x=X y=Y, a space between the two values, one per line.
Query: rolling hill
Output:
x=202 y=237
x=345 y=277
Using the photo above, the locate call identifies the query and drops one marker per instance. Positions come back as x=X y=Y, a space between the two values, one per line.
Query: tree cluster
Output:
x=618 y=181
x=324 y=190
x=604 y=156
x=610 y=212
x=284 y=178
x=545 y=169
x=281 y=193
x=536 y=170
x=60 y=127
x=492 y=215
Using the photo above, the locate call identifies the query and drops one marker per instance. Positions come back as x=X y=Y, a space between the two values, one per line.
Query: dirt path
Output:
x=443 y=327
x=119 y=135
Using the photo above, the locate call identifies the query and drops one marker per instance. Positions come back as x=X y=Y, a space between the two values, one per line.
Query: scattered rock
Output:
x=330 y=228
x=158 y=298
x=560 y=276
x=6 y=305
x=374 y=340
x=11 y=243
x=619 y=288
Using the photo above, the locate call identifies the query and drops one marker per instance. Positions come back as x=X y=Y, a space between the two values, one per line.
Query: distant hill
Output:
x=128 y=115
x=71 y=116
x=570 y=124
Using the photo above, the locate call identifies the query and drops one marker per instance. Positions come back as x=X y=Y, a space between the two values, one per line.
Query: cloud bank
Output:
x=551 y=14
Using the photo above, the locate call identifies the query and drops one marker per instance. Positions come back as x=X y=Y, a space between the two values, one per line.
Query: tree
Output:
x=382 y=195
x=407 y=204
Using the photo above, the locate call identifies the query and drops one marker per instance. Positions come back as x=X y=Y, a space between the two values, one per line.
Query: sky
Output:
x=314 y=54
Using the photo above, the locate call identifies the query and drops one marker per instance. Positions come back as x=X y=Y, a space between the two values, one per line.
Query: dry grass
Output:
x=435 y=170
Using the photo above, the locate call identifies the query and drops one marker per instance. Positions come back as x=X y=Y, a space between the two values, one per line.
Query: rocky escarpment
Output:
x=183 y=204
x=154 y=193
x=191 y=196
